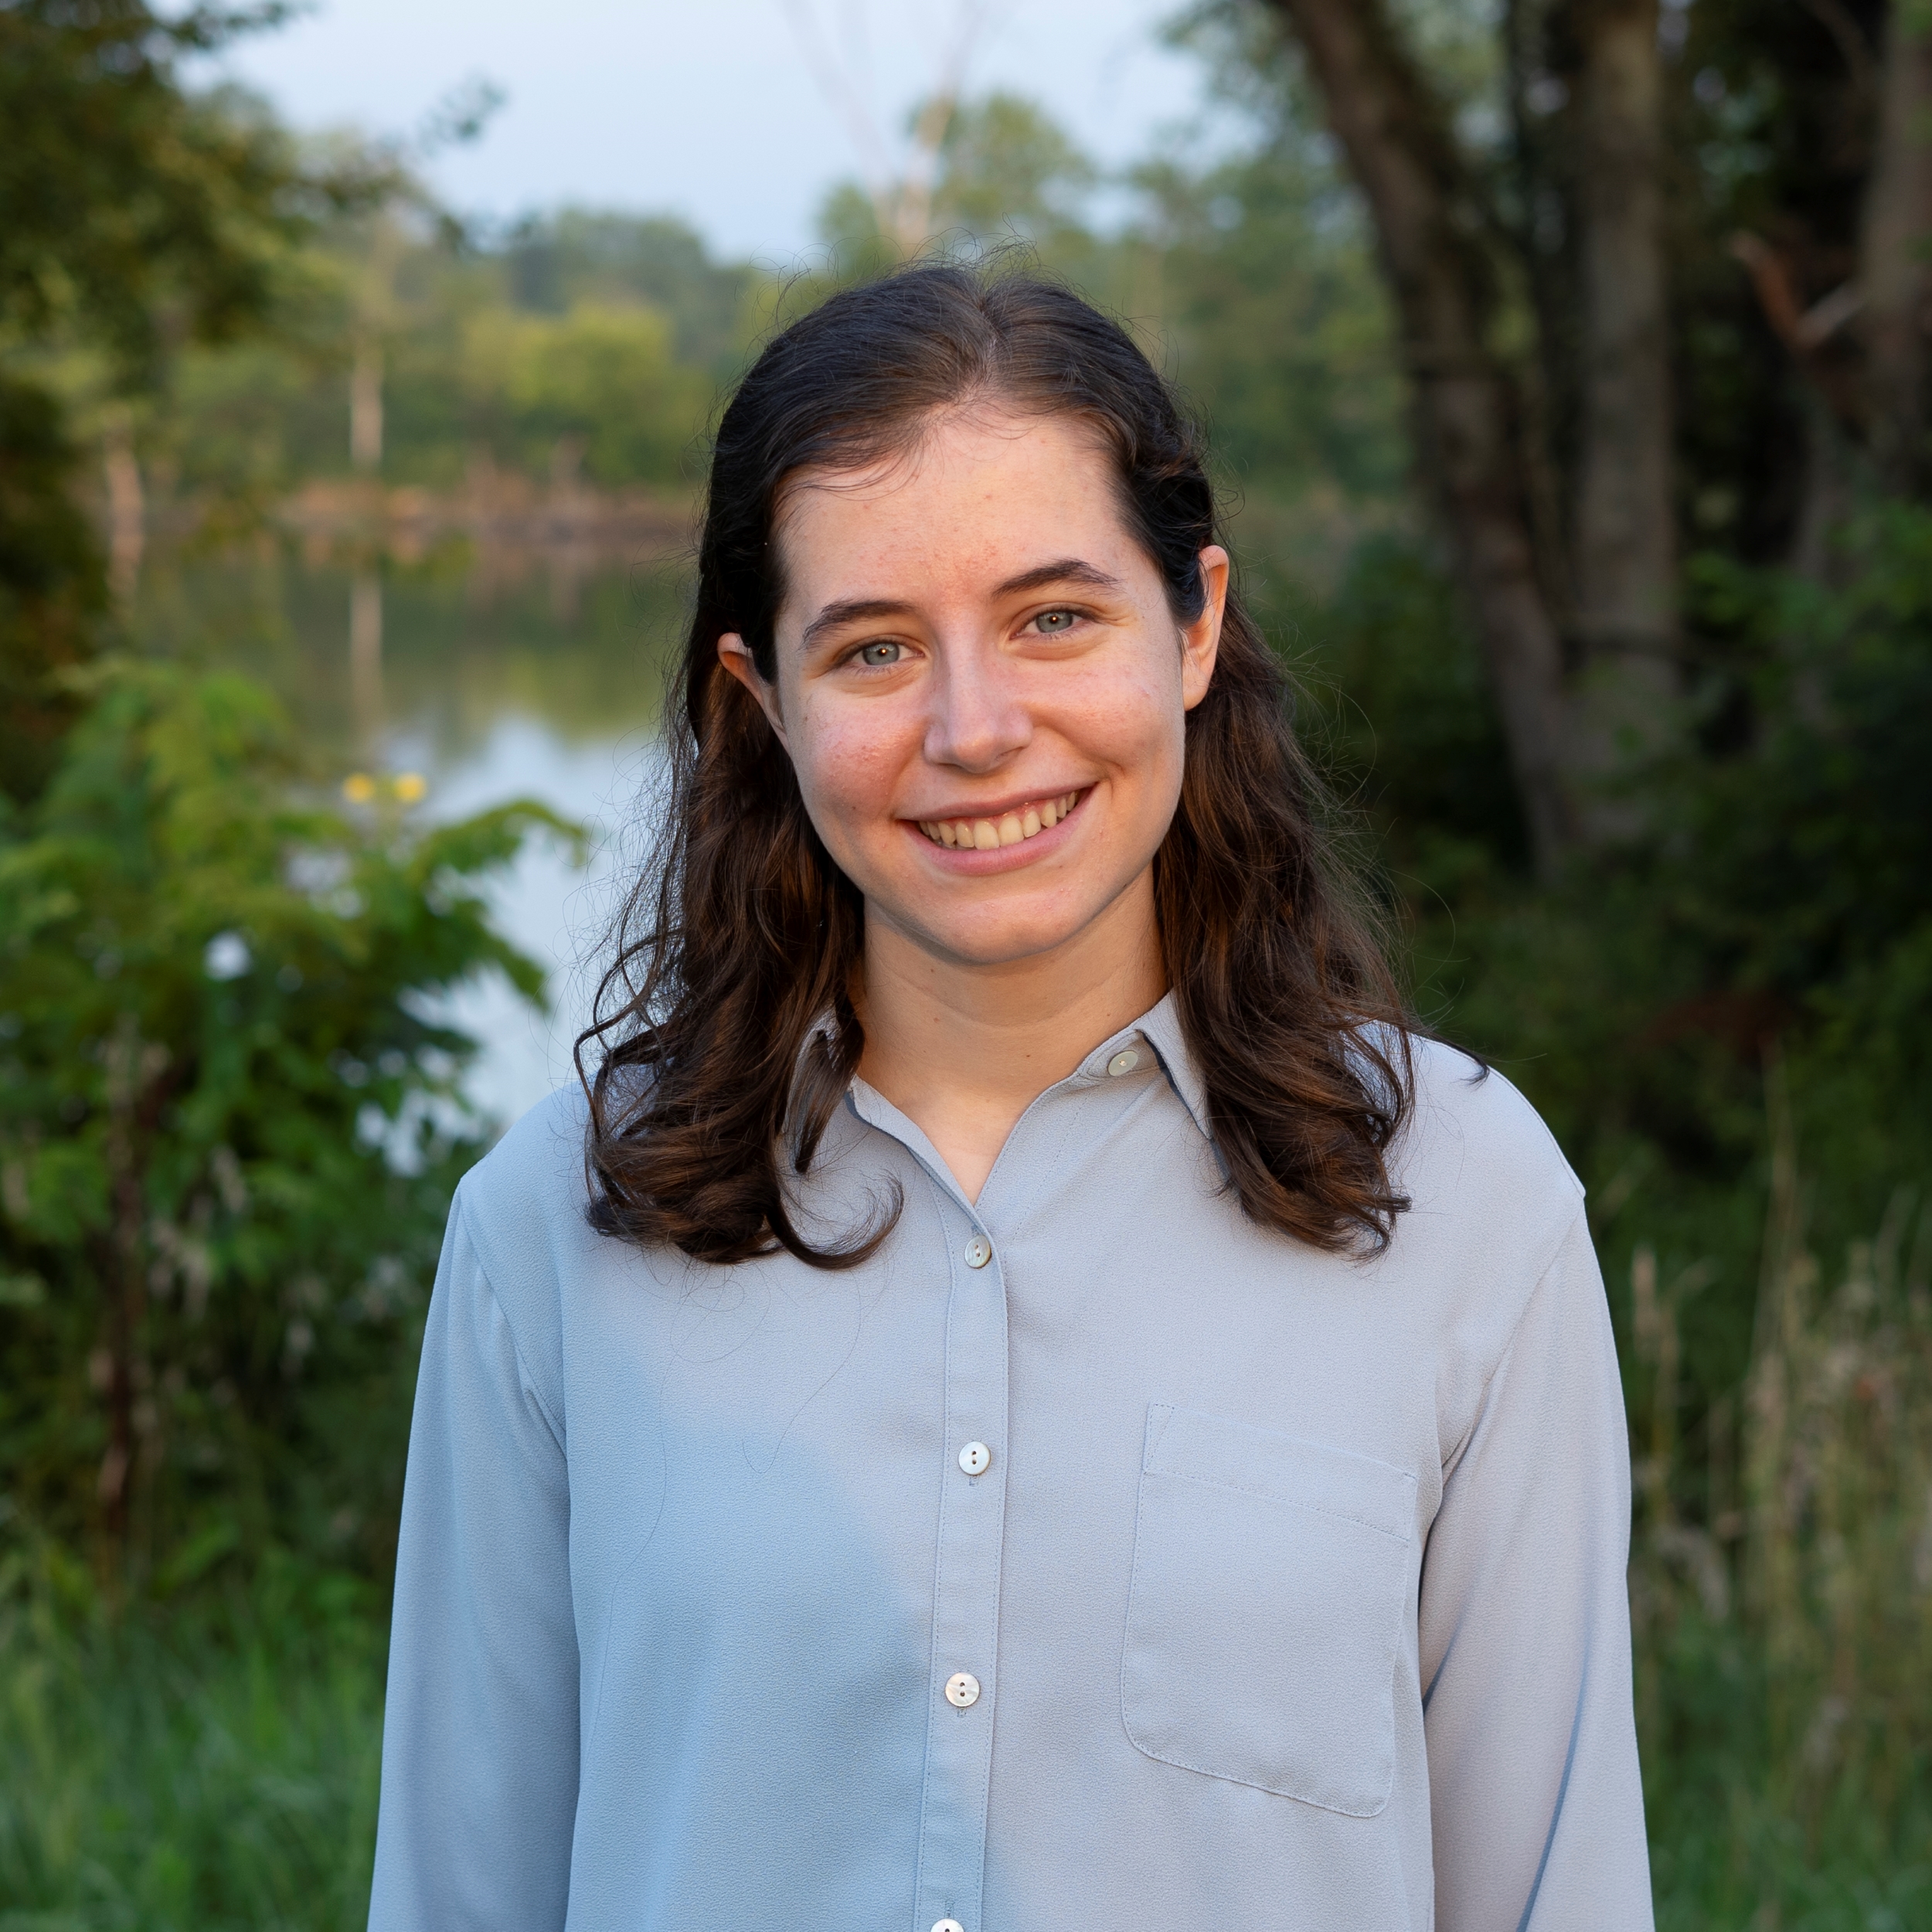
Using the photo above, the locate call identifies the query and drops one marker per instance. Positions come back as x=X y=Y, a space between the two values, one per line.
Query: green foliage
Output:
x=583 y=340
x=135 y=216
x=599 y=379
x=53 y=590
x=552 y=263
x=131 y=210
x=1822 y=827
x=1007 y=173
x=1768 y=133
x=1269 y=296
x=1414 y=729
x=230 y=1123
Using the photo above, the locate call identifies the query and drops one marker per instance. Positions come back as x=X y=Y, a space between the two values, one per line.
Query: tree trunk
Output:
x=1895 y=271
x=127 y=511
x=365 y=403
x=1428 y=222
x=1623 y=540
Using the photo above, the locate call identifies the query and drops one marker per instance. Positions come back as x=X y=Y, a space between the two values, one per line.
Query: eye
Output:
x=1052 y=623
x=878 y=657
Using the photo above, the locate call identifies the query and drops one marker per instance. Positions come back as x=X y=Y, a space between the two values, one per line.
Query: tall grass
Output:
x=212 y=1770
x=1781 y=1589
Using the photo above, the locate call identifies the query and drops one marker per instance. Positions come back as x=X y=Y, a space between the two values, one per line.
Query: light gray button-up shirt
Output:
x=1289 y=1592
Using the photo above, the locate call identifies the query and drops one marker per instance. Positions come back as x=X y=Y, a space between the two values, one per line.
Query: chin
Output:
x=1002 y=941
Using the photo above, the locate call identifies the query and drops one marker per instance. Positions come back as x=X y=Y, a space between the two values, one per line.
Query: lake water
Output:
x=521 y=677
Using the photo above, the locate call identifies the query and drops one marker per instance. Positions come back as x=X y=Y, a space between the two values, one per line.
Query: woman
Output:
x=1047 y=1404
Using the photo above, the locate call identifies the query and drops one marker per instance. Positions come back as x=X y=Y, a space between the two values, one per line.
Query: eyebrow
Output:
x=1070 y=569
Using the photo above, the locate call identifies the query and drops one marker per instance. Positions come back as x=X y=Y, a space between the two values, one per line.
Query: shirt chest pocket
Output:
x=1266 y=1611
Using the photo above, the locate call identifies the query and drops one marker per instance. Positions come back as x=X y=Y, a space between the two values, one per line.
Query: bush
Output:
x=229 y=1125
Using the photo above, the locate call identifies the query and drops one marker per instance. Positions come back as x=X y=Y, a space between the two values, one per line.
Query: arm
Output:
x=1525 y=1627
x=480 y=1738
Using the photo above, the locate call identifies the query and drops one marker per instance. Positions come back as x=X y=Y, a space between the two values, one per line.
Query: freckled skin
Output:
x=960 y=693
x=979 y=705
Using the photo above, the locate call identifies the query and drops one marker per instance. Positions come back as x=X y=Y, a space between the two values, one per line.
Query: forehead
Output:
x=978 y=492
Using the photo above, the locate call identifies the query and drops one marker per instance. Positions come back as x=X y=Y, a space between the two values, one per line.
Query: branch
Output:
x=842 y=94
x=1837 y=21
x=901 y=208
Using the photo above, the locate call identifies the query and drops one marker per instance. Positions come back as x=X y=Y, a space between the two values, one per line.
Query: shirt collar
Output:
x=1159 y=1028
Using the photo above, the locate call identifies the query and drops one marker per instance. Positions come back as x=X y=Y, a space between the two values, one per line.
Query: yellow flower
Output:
x=411 y=786
x=359 y=787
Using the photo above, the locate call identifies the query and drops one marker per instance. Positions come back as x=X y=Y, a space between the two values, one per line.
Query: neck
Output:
x=962 y=1048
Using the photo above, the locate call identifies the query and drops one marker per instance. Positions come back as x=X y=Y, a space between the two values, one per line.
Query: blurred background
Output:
x=1565 y=361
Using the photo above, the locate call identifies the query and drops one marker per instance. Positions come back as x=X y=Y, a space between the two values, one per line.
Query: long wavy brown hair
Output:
x=726 y=1031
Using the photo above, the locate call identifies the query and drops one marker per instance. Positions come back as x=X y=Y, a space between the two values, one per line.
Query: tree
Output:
x=1551 y=282
x=600 y=382
x=229 y=1121
x=1436 y=235
x=1620 y=508
x=1265 y=290
x=899 y=187
x=1895 y=268
x=53 y=589
x=135 y=216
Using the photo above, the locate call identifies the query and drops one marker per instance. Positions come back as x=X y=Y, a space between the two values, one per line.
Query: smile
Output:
x=1010 y=828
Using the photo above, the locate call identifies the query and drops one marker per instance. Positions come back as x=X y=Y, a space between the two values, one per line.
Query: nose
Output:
x=978 y=719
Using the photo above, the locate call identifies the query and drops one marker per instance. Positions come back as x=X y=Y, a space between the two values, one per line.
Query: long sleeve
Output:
x=1536 y=1803
x=480 y=1739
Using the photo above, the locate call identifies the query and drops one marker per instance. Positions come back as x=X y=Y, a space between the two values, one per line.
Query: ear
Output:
x=1201 y=639
x=735 y=654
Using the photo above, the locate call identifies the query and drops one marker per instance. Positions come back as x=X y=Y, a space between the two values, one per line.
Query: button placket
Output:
x=952 y=1837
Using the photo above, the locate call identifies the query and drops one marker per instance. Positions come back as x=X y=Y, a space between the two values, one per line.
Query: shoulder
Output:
x=1469 y=1126
x=1495 y=1218
x=1480 y=1167
x=521 y=1210
x=534 y=1175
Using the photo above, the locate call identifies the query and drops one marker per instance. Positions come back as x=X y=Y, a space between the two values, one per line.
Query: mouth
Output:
x=1013 y=827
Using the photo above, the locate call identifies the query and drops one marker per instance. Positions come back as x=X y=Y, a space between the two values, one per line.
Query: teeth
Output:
x=987 y=835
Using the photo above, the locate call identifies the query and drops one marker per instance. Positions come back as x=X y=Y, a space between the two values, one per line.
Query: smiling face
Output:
x=982 y=688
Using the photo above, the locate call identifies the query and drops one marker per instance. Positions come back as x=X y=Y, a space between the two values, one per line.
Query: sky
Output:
x=707 y=109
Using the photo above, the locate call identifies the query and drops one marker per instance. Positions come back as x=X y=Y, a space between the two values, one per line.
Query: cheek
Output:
x=1129 y=717
x=847 y=760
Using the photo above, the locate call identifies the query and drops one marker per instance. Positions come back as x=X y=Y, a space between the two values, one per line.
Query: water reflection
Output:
x=518 y=675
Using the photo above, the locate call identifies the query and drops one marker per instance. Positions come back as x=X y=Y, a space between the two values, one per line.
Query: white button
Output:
x=979 y=1251
x=1124 y=1062
x=975 y=1459
x=949 y=1925
x=962 y=1690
